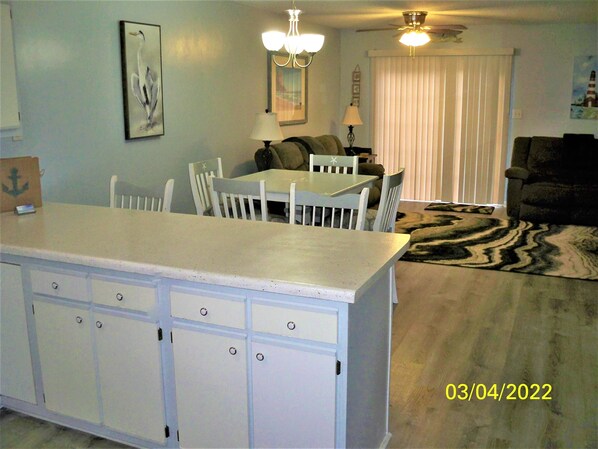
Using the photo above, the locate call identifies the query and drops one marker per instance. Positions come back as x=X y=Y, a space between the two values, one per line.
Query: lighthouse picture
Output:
x=584 y=104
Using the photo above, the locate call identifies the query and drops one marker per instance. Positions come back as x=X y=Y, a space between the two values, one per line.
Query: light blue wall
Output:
x=214 y=81
x=542 y=72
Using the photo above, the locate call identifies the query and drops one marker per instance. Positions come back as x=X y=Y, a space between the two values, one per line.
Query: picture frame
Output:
x=141 y=53
x=287 y=89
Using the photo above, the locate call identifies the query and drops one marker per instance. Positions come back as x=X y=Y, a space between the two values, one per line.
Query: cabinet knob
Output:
x=260 y=356
x=232 y=350
x=291 y=325
x=79 y=320
x=99 y=324
x=203 y=311
x=119 y=296
x=55 y=285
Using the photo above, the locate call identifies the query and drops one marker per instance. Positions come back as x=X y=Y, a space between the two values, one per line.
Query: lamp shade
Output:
x=414 y=38
x=266 y=127
x=352 y=116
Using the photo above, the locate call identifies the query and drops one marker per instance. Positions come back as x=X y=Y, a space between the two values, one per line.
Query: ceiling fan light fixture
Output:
x=414 y=38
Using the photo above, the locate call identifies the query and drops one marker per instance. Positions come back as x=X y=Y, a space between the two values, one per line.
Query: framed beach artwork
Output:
x=287 y=90
x=584 y=104
x=141 y=57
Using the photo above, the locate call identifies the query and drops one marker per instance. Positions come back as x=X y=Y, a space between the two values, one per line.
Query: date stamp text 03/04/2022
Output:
x=498 y=392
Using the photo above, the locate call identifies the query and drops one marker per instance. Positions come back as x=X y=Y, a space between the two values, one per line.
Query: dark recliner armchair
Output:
x=554 y=180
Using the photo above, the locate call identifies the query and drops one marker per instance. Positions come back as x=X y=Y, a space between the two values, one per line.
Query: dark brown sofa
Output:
x=293 y=154
x=554 y=180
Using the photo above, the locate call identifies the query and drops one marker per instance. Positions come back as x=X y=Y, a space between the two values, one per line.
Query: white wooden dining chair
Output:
x=333 y=163
x=236 y=199
x=383 y=219
x=341 y=212
x=124 y=195
x=200 y=174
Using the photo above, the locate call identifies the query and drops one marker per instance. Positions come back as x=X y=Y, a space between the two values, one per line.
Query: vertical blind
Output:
x=445 y=119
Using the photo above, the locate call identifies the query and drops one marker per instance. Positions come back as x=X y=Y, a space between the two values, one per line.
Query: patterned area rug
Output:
x=496 y=244
x=454 y=207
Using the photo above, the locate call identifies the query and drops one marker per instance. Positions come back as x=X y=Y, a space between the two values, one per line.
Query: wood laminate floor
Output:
x=459 y=325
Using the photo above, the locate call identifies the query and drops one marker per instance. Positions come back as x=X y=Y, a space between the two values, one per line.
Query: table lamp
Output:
x=352 y=119
x=266 y=129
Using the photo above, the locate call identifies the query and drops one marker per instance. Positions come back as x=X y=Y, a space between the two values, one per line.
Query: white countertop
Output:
x=298 y=260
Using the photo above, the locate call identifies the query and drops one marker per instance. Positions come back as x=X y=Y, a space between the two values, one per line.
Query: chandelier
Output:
x=293 y=42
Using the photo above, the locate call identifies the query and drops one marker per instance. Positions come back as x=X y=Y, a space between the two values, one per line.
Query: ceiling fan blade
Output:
x=376 y=29
x=445 y=31
x=454 y=27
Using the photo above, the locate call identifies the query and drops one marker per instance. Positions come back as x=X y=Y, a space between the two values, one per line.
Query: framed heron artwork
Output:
x=287 y=89
x=141 y=55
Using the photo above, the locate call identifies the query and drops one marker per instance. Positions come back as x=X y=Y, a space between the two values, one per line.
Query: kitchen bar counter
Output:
x=179 y=331
x=275 y=257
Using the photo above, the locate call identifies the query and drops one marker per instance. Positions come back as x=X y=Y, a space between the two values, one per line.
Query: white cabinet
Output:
x=211 y=389
x=130 y=376
x=67 y=360
x=99 y=364
x=294 y=397
x=16 y=377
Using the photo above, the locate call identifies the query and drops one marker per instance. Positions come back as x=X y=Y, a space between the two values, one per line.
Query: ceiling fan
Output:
x=414 y=33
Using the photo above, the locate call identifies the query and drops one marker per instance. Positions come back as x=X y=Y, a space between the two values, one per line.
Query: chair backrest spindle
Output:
x=124 y=195
x=235 y=199
x=200 y=175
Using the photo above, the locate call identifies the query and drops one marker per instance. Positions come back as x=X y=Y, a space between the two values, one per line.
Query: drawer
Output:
x=207 y=308
x=301 y=323
x=61 y=285
x=123 y=295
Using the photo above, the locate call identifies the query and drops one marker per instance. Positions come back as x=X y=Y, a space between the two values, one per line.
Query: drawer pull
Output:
x=291 y=326
x=119 y=297
x=232 y=350
x=203 y=311
x=99 y=324
x=259 y=356
x=54 y=285
x=79 y=320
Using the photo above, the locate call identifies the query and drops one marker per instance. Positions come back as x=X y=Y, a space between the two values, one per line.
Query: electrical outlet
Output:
x=517 y=113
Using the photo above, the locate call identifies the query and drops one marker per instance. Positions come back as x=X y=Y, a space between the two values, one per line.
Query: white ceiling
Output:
x=367 y=14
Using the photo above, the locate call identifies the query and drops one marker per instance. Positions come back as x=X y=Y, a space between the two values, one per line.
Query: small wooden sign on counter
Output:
x=20 y=178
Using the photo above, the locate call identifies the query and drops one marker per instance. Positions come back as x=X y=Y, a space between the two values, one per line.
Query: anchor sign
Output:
x=14 y=177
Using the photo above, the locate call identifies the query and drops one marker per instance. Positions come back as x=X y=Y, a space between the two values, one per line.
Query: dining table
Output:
x=278 y=182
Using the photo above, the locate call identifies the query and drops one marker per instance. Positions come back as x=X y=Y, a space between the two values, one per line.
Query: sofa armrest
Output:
x=517 y=173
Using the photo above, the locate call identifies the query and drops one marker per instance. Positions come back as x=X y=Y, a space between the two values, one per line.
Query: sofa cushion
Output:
x=581 y=152
x=586 y=196
x=548 y=194
x=331 y=145
x=546 y=156
x=289 y=156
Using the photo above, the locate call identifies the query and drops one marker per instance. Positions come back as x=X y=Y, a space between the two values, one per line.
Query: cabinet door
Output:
x=130 y=376
x=211 y=389
x=294 y=397
x=67 y=364
x=15 y=359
